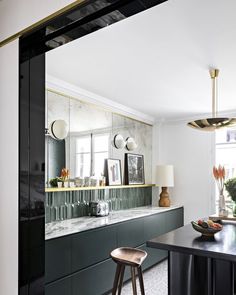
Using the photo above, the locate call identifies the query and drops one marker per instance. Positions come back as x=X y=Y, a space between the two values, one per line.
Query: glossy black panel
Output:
x=82 y=20
x=31 y=145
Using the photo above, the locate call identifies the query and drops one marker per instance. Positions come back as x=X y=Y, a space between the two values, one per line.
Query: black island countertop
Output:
x=187 y=240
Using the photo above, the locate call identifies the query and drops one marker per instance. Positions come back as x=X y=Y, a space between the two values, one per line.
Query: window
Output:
x=83 y=156
x=91 y=152
x=226 y=152
x=100 y=152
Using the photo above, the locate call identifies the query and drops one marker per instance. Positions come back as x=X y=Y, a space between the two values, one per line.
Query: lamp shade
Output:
x=165 y=175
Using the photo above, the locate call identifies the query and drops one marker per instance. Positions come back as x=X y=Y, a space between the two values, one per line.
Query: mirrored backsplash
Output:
x=90 y=138
x=73 y=204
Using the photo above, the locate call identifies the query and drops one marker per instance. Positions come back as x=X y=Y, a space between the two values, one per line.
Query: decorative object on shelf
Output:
x=102 y=180
x=100 y=188
x=65 y=177
x=207 y=228
x=54 y=181
x=230 y=186
x=58 y=129
x=211 y=124
x=79 y=182
x=165 y=179
x=119 y=141
x=219 y=175
x=131 y=145
x=134 y=169
x=113 y=171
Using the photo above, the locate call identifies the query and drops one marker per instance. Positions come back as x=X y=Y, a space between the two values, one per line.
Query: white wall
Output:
x=9 y=169
x=192 y=154
x=16 y=15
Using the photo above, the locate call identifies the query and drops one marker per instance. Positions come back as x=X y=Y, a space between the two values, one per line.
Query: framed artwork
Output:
x=134 y=169
x=113 y=172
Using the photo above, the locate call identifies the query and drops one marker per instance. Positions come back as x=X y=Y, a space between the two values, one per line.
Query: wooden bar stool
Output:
x=126 y=256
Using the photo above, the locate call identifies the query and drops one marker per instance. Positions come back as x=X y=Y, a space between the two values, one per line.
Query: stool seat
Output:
x=128 y=256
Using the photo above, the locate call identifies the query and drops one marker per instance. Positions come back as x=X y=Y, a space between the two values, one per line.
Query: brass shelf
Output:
x=88 y=188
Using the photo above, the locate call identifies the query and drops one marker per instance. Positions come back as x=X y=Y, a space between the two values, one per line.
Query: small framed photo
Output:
x=113 y=172
x=134 y=169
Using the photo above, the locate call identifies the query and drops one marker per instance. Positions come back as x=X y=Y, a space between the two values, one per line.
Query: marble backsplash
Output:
x=73 y=204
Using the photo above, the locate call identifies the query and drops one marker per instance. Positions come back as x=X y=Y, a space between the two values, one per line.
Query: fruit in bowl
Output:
x=207 y=228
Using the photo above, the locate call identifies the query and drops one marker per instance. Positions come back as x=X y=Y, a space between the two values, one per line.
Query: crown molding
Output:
x=84 y=95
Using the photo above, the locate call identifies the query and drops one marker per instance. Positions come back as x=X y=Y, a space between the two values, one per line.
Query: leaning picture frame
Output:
x=113 y=172
x=134 y=169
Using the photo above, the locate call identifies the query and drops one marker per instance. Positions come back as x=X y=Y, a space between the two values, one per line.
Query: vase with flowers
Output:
x=65 y=176
x=230 y=186
x=219 y=175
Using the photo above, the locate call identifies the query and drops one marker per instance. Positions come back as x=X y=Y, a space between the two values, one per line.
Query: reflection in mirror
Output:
x=90 y=138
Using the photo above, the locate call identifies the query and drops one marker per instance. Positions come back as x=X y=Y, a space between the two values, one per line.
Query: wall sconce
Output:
x=131 y=144
x=119 y=141
x=58 y=129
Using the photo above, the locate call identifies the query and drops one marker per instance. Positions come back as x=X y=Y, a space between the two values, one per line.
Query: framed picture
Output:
x=134 y=169
x=113 y=172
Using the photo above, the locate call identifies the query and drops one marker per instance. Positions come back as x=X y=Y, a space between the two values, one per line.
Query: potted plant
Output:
x=230 y=186
x=54 y=182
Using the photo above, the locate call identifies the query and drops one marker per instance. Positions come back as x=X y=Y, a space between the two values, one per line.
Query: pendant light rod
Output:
x=214 y=75
x=213 y=123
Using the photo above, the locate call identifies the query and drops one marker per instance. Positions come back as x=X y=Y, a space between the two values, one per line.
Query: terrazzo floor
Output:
x=155 y=281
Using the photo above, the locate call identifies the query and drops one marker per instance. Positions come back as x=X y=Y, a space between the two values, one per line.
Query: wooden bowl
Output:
x=207 y=232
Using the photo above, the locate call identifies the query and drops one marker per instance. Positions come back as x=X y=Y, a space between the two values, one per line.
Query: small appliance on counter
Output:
x=99 y=208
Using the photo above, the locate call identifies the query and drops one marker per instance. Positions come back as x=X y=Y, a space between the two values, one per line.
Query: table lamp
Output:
x=165 y=179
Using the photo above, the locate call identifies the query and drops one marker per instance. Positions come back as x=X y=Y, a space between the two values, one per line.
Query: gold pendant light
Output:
x=211 y=124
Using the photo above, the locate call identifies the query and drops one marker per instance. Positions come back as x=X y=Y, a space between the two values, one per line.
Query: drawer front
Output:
x=131 y=233
x=92 y=247
x=154 y=226
x=174 y=219
x=95 y=280
x=60 y=287
x=57 y=258
x=154 y=256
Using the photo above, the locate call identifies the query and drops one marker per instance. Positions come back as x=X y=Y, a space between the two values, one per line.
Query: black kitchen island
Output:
x=197 y=265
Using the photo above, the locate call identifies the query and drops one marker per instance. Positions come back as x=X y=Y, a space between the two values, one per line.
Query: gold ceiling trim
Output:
x=42 y=21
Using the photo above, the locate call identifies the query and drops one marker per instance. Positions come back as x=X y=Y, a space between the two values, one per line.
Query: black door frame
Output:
x=33 y=47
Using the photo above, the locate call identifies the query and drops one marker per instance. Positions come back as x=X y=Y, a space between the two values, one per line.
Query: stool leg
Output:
x=140 y=276
x=116 y=280
x=133 y=280
x=121 y=279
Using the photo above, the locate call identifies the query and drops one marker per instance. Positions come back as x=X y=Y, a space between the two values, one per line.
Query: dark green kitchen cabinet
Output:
x=60 y=287
x=130 y=233
x=154 y=225
x=80 y=264
x=88 y=248
x=94 y=280
x=57 y=258
x=154 y=256
x=174 y=219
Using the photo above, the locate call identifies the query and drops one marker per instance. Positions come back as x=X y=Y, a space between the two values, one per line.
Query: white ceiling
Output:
x=157 y=61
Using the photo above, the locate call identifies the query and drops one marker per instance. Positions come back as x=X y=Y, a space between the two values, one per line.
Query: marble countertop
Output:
x=71 y=226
